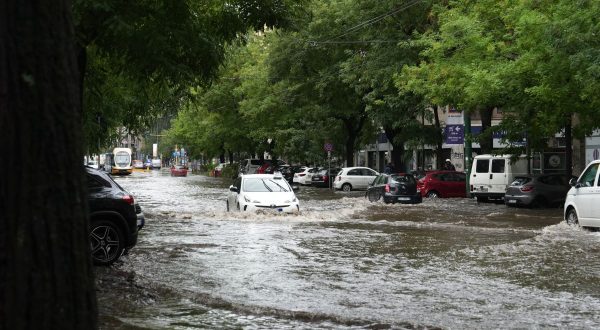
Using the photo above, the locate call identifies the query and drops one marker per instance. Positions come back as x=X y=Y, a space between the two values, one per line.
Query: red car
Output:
x=443 y=184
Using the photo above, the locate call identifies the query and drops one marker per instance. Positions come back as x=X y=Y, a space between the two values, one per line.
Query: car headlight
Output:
x=248 y=200
x=292 y=201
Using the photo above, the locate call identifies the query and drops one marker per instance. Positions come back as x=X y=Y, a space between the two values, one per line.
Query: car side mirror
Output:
x=233 y=188
x=573 y=183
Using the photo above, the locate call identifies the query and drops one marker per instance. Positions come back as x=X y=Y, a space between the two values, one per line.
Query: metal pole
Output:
x=468 y=151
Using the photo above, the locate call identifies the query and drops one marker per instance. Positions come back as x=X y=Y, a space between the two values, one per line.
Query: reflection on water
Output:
x=346 y=263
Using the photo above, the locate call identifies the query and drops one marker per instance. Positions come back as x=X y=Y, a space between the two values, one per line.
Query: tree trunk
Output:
x=486 y=141
x=398 y=149
x=46 y=275
x=353 y=129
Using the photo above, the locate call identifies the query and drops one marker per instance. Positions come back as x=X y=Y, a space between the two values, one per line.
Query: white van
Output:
x=582 y=205
x=492 y=174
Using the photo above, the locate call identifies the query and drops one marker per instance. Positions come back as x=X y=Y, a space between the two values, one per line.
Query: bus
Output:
x=121 y=161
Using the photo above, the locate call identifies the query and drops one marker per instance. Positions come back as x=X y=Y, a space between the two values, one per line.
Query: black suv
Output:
x=115 y=218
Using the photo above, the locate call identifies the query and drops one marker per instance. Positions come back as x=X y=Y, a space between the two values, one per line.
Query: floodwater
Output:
x=345 y=263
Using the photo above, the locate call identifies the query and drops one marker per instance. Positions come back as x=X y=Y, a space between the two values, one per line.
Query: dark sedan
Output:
x=538 y=190
x=394 y=188
x=324 y=178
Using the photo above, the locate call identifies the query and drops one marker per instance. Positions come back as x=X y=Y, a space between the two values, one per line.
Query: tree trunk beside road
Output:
x=46 y=275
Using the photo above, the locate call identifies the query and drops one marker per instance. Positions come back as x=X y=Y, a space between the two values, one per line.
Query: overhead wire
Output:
x=366 y=23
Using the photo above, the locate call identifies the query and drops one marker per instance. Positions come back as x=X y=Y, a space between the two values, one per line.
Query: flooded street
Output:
x=344 y=263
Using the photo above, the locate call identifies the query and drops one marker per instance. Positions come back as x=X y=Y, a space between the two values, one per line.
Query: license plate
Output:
x=403 y=198
x=512 y=201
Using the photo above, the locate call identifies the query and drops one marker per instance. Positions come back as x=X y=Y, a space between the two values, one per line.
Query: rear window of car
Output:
x=520 y=180
x=256 y=162
x=403 y=179
x=482 y=165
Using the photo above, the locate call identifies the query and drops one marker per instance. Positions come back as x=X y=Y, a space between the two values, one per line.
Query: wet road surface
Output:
x=345 y=263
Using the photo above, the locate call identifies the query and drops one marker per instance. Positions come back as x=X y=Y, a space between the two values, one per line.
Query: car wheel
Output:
x=433 y=194
x=107 y=242
x=346 y=187
x=373 y=195
x=481 y=199
x=572 y=218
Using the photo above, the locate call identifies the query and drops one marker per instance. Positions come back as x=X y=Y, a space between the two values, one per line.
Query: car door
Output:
x=459 y=188
x=355 y=178
x=587 y=197
x=498 y=176
x=368 y=175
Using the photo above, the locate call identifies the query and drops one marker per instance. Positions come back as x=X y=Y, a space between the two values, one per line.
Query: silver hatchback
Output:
x=538 y=190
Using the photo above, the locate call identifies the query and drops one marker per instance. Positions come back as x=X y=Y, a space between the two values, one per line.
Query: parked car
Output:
x=218 y=170
x=308 y=177
x=300 y=177
x=492 y=174
x=443 y=184
x=538 y=190
x=252 y=192
x=115 y=218
x=324 y=178
x=286 y=171
x=250 y=166
x=582 y=204
x=354 y=178
x=156 y=163
x=394 y=188
x=148 y=164
x=138 y=164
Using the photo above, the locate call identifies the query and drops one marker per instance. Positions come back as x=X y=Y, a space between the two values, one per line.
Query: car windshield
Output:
x=266 y=185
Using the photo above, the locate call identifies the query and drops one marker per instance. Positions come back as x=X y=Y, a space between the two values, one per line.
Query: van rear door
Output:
x=498 y=176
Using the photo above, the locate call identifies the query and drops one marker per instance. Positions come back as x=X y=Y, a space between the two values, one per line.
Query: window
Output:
x=367 y=172
x=460 y=177
x=589 y=176
x=355 y=171
x=482 y=165
x=498 y=165
x=96 y=183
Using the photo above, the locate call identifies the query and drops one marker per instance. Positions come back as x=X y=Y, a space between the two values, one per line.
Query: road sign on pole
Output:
x=328 y=147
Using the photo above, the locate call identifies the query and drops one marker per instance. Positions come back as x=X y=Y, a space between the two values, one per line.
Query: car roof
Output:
x=260 y=176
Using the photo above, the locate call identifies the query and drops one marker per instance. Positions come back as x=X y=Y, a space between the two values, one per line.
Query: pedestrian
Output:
x=389 y=169
x=448 y=166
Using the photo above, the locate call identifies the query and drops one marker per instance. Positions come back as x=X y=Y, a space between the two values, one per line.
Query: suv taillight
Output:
x=387 y=188
x=128 y=199
x=526 y=188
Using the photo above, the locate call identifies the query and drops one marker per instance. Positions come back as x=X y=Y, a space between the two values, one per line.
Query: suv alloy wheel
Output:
x=106 y=241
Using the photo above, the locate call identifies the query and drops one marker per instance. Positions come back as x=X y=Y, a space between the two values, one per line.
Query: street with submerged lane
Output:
x=346 y=263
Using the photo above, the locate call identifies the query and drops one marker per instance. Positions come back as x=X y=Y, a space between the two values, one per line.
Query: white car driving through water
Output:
x=253 y=192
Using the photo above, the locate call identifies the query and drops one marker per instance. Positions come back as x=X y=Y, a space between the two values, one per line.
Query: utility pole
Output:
x=468 y=151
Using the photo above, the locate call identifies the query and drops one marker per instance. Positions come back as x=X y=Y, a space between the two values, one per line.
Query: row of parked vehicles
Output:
x=501 y=178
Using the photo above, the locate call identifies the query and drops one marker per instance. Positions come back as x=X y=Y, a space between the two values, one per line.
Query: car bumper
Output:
x=403 y=199
x=141 y=220
x=517 y=200
x=286 y=208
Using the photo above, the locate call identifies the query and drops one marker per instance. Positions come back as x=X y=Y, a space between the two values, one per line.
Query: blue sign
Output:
x=455 y=134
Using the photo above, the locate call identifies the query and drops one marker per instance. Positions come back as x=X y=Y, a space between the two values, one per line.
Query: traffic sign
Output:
x=328 y=147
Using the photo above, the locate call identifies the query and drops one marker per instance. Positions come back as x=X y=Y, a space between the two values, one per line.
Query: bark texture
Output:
x=46 y=275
